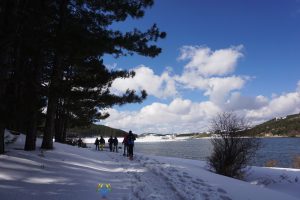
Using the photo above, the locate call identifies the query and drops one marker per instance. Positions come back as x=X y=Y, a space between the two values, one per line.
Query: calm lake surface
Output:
x=281 y=149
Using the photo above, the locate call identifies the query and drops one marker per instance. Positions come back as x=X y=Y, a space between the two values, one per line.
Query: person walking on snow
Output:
x=97 y=144
x=79 y=142
x=110 y=143
x=116 y=144
x=102 y=143
x=131 y=139
x=125 y=143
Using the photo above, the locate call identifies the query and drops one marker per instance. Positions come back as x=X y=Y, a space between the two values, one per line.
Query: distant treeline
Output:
x=95 y=130
x=286 y=126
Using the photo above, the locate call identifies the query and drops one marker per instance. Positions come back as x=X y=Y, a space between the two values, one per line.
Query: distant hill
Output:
x=283 y=126
x=95 y=130
x=194 y=135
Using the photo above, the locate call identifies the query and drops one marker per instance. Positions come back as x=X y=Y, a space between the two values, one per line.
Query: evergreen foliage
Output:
x=288 y=126
x=95 y=131
x=51 y=54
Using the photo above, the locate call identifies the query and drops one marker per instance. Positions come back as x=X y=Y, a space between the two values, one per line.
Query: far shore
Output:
x=152 y=138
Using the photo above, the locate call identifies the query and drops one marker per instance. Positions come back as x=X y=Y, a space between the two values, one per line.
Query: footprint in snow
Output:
x=187 y=176
x=221 y=191
x=199 y=180
x=225 y=197
x=204 y=185
x=196 y=187
x=195 y=182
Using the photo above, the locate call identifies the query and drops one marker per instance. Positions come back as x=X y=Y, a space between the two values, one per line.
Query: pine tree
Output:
x=83 y=37
x=20 y=65
x=51 y=54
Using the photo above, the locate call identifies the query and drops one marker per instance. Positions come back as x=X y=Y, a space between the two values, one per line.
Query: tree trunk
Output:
x=64 y=136
x=54 y=84
x=1 y=139
x=50 y=117
x=52 y=104
x=59 y=123
x=31 y=133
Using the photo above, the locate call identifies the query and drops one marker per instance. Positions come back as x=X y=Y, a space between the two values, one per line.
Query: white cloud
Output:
x=180 y=115
x=209 y=72
x=239 y=102
x=217 y=88
x=204 y=70
x=220 y=87
x=183 y=115
x=298 y=87
x=279 y=106
x=162 y=86
x=205 y=62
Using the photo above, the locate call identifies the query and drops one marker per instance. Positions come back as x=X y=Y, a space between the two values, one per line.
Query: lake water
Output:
x=281 y=149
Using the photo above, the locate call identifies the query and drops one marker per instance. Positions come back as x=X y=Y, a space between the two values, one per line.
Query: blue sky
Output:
x=241 y=56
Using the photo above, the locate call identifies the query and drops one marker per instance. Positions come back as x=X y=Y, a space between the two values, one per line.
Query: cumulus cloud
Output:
x=205 y=67
x=209 y=72
x=206 y=62
x=184 y=115
x=161 y=86
x=279 y=106
x=181 y=115
x=239 y=102
x=200 y=74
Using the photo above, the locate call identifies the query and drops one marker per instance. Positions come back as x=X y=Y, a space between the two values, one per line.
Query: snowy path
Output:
x=185 y=185
x=152 y=180
x=73 y=173
x=146 y=184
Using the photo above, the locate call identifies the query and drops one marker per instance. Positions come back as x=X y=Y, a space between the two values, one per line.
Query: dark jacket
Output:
x=116 y=141
x=97 y=141
x=102 y=141
x=131 y=139
x=125 y=140
x=110 y=141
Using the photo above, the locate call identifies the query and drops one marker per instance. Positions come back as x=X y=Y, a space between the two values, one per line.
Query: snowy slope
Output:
x=74 y=173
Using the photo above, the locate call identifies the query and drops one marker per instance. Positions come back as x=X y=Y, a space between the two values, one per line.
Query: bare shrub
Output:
x=296 y=162
x=271 y=163
x=232 y=151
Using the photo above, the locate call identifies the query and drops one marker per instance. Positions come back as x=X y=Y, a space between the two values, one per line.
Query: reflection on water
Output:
x=281 y=149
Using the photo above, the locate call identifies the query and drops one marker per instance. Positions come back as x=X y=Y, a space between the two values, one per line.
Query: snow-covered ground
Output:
x=70 y=172
x=148 y=138
x=154 y=138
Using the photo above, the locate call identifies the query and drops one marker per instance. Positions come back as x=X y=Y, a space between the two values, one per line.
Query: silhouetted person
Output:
x=79 y=142
x=125 y=143
x=115 y=144
x=110 y=143
x=102 y=143
x=131 y=139
x=97 y=141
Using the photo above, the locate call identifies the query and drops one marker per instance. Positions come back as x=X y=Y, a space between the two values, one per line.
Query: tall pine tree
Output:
x=84 y=36
x=51 y=54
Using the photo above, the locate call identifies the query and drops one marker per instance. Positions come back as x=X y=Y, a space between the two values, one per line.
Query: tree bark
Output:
x=54 y=84
x=31 y=133
x=59 y=124
x=32 y=112
x=51 y=109
x=1 y=139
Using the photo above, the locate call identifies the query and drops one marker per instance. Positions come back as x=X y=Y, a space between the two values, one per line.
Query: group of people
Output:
x=128 y=142
x=113 y=144
x=100 y=143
